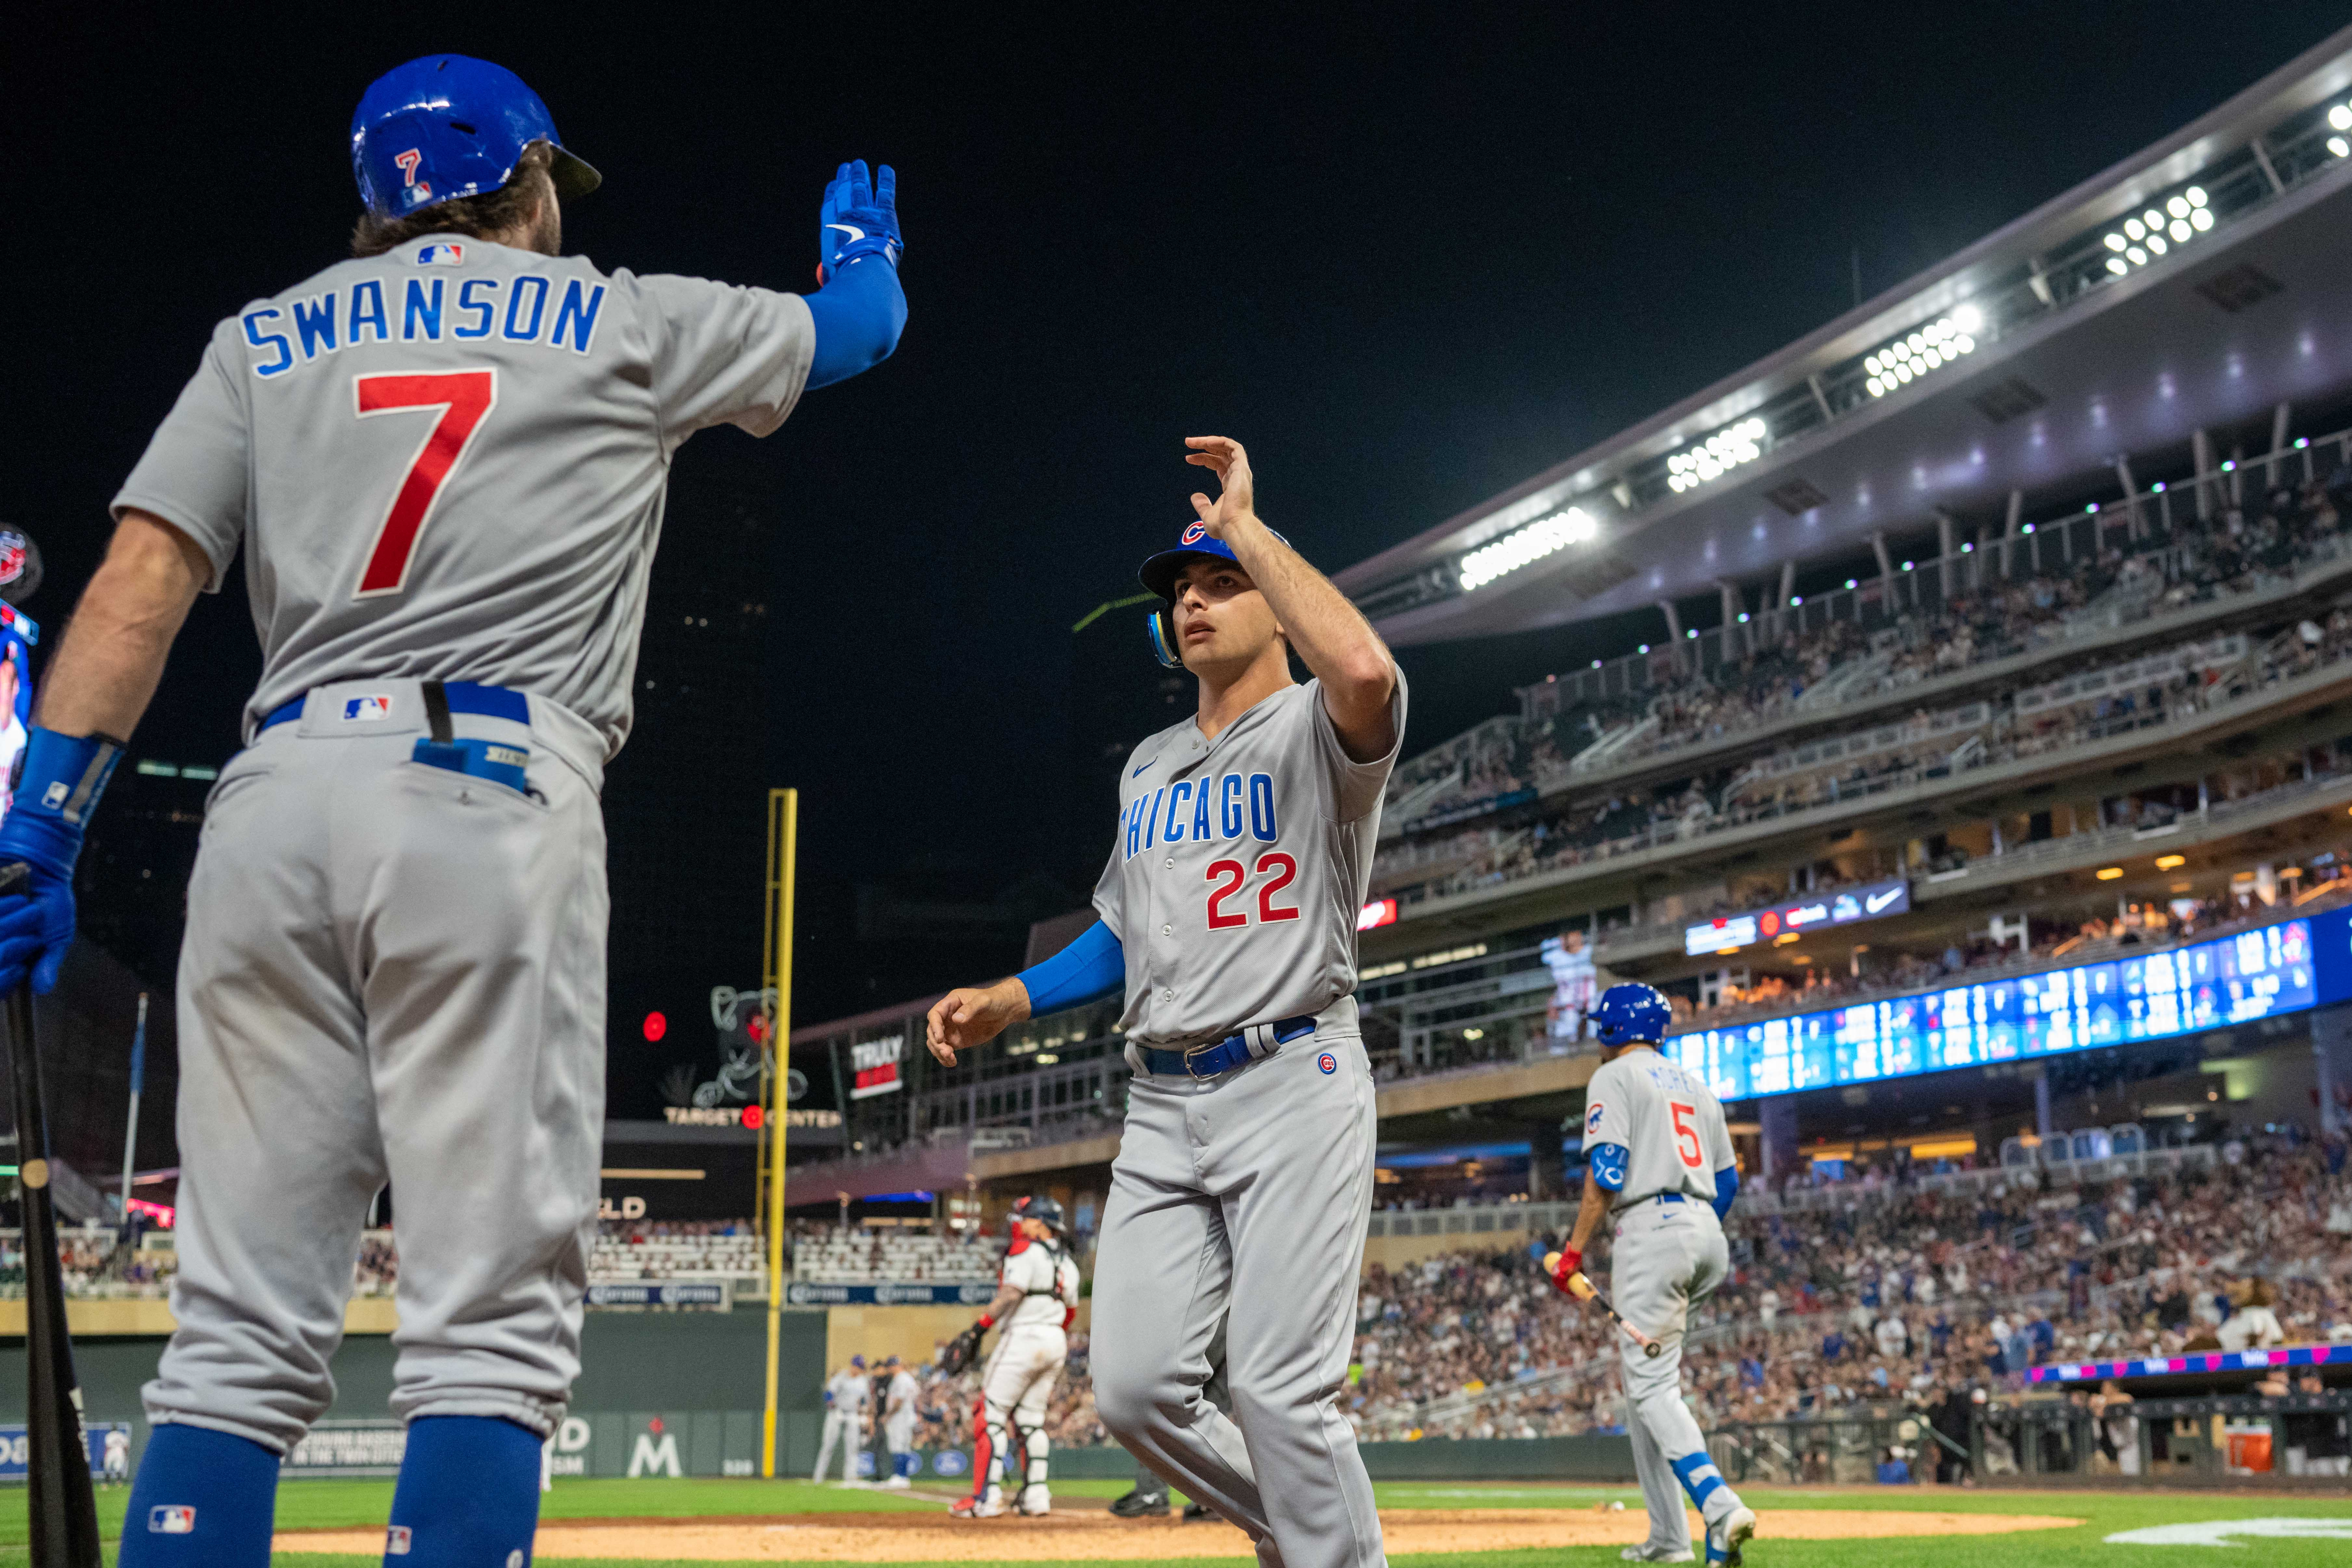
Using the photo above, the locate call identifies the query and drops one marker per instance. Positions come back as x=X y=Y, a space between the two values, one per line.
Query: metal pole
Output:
x=783 y=829
x=131 y=1127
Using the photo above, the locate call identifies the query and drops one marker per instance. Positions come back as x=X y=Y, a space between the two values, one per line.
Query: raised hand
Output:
x=1237 y=490
x=858 y=217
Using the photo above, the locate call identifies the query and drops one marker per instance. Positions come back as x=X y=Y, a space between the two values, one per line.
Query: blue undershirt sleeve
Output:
x=1091 y=967
x=1727 y=1188
x=859 y=315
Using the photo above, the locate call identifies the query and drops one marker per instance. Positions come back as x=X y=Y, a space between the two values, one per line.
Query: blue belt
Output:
x=465 y=696
x=1667 y=1197
x=1208 y=1061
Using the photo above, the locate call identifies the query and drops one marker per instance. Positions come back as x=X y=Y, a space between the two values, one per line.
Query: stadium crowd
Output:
x=2234 y=553
x=1885 y=1297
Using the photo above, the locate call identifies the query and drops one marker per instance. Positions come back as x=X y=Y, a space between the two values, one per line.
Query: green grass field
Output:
x=330 y=1504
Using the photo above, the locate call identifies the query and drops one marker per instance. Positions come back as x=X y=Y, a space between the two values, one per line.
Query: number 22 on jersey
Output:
x=461 y=399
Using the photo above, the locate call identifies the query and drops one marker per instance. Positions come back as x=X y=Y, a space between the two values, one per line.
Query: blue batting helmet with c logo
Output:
x=447 y=126
x=1631 y=1011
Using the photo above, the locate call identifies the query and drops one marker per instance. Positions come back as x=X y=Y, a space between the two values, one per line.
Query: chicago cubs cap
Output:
x=1159 y=572
x=447 y=126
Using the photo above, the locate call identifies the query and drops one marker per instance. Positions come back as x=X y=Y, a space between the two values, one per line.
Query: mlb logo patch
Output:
x=1592 y=1120
x=366 y=710
x=395 y=1541
x=1193 y=533
x=170 y=1519
x=441 y=256
x=1328 y=1063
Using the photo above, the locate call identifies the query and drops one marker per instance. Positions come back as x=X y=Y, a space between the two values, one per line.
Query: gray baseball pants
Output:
x=1665 y=1258
x=1244 y=1199
x=393 y=973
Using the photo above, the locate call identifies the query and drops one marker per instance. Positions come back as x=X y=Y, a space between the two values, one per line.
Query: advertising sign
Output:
x=807 y=1293
x=1729 y=933
x=877 y=1062
x=110 y=1450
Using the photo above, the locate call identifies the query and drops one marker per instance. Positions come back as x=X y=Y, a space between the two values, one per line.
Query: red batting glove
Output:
x=1570 y=1260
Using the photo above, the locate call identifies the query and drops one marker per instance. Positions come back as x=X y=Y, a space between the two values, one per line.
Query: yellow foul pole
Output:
x=783 y=830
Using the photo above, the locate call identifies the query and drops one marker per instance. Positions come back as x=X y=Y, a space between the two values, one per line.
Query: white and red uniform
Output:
x=1031 y=1344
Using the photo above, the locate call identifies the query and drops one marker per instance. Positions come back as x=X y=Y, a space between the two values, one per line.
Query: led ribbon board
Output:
x=1814 y=911
x=2257 y=974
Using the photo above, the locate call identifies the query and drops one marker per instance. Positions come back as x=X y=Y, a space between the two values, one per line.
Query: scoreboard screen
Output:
x=2256 y=974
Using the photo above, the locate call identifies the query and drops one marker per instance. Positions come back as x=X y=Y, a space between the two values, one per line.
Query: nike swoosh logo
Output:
x=851 y=229
x=1139 y=772
x=1877 y=902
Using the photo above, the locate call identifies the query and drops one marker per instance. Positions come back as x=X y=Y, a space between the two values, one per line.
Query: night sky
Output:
x=1409 y=257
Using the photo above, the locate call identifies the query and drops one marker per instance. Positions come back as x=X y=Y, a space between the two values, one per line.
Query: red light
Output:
x=753 y=1116
x=1379 y=912
x=656 y=1025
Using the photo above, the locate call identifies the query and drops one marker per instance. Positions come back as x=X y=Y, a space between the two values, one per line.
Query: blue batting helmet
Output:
x=1628 y=1012
x=1159 y=573
x=447 y=126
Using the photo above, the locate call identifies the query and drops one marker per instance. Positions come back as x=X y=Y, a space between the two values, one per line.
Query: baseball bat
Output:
x=1592 y=1292
x=64 y=1509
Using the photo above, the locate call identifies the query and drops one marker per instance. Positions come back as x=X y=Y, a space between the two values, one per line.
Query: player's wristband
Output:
x=1092 y=966
x=64 y=776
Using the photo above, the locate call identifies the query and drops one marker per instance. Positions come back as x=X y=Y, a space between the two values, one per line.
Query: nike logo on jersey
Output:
x=1139 y=772
x=1877 y=902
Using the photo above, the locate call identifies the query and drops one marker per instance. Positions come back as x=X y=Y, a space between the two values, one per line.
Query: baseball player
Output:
x=444 y=461
x=846 y=1395
x=1037 y=1298
x=1659 y=1164
x=899 y=1394
x=1229 y=905
x=1572 y=977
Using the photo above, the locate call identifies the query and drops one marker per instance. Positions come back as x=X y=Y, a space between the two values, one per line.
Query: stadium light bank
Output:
x=1545 y=535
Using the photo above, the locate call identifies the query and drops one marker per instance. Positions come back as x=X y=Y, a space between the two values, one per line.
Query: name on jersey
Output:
x=1218 y=806
x=524 y=309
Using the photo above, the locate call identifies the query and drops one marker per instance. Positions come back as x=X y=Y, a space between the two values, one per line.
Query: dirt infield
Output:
x=1092 y=1534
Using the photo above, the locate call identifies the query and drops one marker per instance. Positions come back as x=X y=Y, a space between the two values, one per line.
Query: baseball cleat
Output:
x=1139 y=1504
x=1193 y=1510
x=1724 y=1541
x=1650 y=1552
x=898 y=1483
x=975 y=1508
x=1034 y=1502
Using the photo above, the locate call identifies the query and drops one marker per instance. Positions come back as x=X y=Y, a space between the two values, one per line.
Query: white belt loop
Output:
x=1262 y=1042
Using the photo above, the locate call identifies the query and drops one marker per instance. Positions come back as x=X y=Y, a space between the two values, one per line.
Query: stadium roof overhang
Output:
x=2081 y=356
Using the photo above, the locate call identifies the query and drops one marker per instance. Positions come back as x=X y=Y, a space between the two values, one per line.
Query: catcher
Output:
x=1037 y=1298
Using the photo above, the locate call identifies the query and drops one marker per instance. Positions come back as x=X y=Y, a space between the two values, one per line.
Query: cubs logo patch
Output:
x=366 y=710
x=1592 y=1120
x=170 y=1519
x=395 y=1541
x=1328 y=1063
x=1193 y=533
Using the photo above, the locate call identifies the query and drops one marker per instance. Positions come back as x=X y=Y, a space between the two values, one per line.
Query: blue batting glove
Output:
x=857 y=219
x=64 y=776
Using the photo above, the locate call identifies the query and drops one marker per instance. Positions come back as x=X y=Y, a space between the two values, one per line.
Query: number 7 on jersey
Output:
x=463 y=398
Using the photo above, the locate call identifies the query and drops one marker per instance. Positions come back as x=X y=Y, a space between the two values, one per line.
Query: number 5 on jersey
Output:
x=1687 y=1144
x=463 y=398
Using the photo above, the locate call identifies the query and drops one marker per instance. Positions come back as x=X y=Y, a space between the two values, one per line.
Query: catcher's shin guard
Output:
x=1035 y=1446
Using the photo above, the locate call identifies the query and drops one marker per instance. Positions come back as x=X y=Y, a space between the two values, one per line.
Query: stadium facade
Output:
x=1982 y=792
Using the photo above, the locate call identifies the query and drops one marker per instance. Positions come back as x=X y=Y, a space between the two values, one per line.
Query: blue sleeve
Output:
x=1727 y=1188
x=1608 y=1164
x=859 y=315
x=1093 y=966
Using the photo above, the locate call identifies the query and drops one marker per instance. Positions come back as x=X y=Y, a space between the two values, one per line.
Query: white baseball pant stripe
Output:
x=1244 y=1200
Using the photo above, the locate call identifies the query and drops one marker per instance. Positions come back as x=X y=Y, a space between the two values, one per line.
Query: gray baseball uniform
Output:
x=1667 y=1253
x=1234 y=888
x=846 y=1394
x=445 y=464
